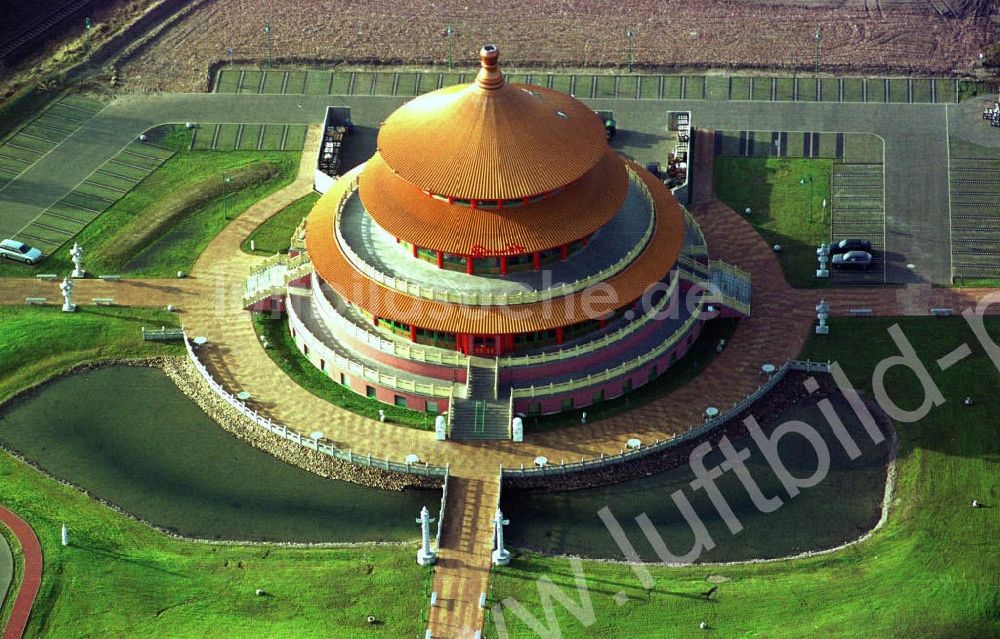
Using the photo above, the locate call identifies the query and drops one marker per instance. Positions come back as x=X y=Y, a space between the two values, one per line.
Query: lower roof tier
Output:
x=651 y=266
x=412 y=215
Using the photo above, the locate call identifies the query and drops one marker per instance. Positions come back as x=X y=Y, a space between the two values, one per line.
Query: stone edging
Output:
x=183 y=373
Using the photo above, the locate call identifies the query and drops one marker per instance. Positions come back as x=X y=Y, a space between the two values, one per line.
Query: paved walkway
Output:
x=30 y=580
x=463 y=567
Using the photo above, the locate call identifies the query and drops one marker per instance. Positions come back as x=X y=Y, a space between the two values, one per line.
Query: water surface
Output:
x=130 y=436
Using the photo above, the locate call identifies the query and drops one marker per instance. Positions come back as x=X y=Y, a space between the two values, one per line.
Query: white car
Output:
x=14 y=250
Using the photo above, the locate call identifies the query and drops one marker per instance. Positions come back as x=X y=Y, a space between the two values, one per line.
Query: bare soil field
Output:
x=857 y=35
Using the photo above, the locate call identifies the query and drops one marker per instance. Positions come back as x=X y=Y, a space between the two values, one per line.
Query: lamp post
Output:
x=629 y=34
x=819 y=36
x=226 y=179
x=270 y=42
x=448 y=31
x=808 y=180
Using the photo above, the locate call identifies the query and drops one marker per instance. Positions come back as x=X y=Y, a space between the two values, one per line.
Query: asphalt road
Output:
x=916 y=172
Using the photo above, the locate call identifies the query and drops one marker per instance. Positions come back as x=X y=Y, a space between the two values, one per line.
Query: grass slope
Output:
x=274 y=235
x=119 y=578
x=933 y=571
x=39 y=342
x=286 y=355
x=163 y=224
x=772 y=188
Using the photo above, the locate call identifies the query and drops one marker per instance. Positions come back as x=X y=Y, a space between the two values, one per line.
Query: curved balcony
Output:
x=493 y=298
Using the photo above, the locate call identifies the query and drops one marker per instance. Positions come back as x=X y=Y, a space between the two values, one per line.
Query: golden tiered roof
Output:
x=575 y=212
x=492 y=140
x=649 y=267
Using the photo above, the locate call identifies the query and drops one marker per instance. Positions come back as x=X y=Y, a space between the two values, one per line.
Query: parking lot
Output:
x=614 y=86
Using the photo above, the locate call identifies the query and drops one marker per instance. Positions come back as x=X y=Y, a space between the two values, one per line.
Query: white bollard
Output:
x=65 y=535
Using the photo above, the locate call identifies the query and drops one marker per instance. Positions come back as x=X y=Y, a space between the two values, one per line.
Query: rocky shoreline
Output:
x=184 y=375
x=788 y=392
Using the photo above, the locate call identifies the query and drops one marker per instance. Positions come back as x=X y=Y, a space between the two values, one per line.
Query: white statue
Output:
x=425 y=556
x=501 y=556
x=822 y=313
x=823 y=256
x=67 y=292
x=65 y=535
x=77 y=254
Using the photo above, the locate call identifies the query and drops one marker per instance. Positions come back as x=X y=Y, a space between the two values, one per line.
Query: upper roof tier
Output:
x=492 y=140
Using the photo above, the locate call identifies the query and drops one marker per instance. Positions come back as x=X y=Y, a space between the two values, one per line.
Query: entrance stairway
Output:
x=734 y=285
x=481 y=416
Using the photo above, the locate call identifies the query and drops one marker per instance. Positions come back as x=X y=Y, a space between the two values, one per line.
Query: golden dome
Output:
x=492 y=140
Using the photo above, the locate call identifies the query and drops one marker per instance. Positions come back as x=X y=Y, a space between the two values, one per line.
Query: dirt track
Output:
x=885 y=36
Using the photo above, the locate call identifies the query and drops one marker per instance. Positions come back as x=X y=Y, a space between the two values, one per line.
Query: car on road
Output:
x=21 y=252
x=852 y=260
x=844 y=246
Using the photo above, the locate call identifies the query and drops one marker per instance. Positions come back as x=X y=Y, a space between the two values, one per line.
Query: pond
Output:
x=128 y=435
x=840 y=508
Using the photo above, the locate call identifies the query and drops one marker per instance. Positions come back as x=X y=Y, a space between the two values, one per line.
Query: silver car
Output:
x=14 y=250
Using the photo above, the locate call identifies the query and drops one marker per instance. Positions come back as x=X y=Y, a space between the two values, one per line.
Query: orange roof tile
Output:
x=649 y=267
x=491 y=139
x=410 y=214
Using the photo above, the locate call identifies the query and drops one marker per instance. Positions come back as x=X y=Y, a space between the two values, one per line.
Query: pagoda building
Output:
x=496 y=257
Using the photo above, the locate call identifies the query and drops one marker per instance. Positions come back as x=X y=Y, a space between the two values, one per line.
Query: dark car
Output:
x=843 y=246
x=852 y=259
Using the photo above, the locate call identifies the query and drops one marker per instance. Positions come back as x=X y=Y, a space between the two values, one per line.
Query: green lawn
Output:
x=772 y=188
x=274 y=235
x=165 y=222
x=286 y=355
x=39 y=342
x=120 y=578
x=930 y=572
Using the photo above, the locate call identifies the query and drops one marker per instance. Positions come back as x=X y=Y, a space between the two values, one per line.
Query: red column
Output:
x=510 y=342
x=536 y=260
x=440 y=256
x=560 y=334
x=564 y=252
x=414 y=250
x=503 y=265
x=601 y=322
x=470 y=265
x=397 y=240
x=375 y=320
x=413 y=333
x=459 y=342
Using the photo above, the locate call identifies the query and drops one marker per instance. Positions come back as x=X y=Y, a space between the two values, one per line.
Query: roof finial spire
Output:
x=489 y=76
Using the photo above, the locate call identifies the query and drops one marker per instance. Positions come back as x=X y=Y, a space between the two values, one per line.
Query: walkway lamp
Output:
x=448 y=31
x=819 y=37
x=629 y=34
x=808 y=180
x=226 y=179
x=270 y=43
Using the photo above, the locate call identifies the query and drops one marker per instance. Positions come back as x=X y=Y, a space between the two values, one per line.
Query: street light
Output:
x=808 y=179
x=448 y=33
x=819 y=35
x=270 y=42
x=629 y=34
x=226 y=179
